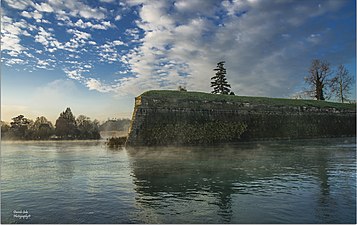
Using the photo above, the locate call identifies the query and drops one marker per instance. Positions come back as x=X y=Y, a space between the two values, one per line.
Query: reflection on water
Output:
x=309 y=181
x=258 y=183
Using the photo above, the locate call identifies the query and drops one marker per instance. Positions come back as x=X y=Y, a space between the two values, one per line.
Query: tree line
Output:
x=323 y=83
x=67 y=127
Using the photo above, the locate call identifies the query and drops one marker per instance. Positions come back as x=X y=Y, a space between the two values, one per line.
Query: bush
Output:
x=115 y=142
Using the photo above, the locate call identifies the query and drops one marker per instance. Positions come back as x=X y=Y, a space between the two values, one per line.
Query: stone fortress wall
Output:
x=185 y=118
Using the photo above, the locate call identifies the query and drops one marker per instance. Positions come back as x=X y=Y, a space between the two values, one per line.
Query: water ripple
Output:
x=269 y=182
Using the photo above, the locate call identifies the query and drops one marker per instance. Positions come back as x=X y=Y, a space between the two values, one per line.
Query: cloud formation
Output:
x=267 y=45
x=11 y=36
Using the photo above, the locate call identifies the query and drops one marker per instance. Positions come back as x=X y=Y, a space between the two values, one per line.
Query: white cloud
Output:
x=197 y=7
x=118 y=42
x=62 y=9
x=183 y=45
x=118 y=17
x=62 y=16
x=99 y=27
x=133 y=33
x=109 y=53
x=48 y=64
x=77 y=9
x=19 y=4
x=42 y=63
x=44 y=37
x=26 y=14
x=74 y=74
x=91 y=13
x=94 y=84
x=43 y=7
x=81 y=24
x=45 y=21
x=10 y=35
x=79 y=39
x=14 y=61
x=104 y=25
x=154 y=15
x=28 y=54
x=79 y=34
x=35 y=15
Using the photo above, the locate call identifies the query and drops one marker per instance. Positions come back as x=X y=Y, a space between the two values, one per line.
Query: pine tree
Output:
x=219 y=83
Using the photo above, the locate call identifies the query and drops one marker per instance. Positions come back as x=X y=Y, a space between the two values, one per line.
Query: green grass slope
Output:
x=201 y=96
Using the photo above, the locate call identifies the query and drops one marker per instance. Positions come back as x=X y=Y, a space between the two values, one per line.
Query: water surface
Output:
x=306 y=181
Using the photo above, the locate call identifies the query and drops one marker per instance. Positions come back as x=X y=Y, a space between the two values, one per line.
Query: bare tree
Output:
x=318 y=78
x=341 y=84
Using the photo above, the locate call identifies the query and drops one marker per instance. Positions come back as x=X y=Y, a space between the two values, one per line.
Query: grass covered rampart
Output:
x=176 y=118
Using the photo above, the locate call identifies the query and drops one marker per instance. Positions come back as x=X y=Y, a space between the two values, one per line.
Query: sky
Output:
x=95 y=56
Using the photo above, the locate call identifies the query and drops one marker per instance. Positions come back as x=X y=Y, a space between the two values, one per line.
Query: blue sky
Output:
x=96 y=56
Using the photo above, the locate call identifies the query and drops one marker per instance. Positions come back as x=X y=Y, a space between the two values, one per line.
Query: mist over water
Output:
x=306 y=181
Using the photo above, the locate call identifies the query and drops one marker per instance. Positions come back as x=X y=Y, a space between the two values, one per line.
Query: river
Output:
x=305 y=181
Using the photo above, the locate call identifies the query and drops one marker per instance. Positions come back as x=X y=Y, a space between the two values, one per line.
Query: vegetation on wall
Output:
x=193 y=133
x=169 y=97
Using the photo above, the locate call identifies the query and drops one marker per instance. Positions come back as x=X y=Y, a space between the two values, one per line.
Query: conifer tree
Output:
x=219 y=81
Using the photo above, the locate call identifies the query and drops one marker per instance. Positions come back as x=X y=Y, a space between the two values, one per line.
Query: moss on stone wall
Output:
x=192 y=133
